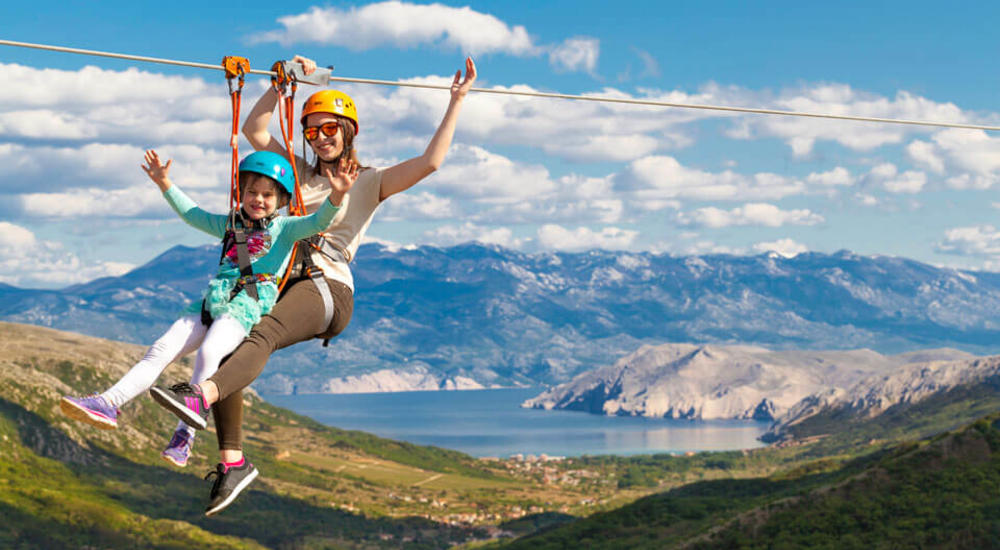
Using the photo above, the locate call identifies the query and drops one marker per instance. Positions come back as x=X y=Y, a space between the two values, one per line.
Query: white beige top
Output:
x=352 y=220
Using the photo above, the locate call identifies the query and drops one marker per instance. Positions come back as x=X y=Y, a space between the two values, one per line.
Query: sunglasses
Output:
x=328 y=129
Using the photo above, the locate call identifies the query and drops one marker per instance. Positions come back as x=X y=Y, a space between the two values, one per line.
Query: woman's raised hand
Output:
x=308 y=65
x=157 y=171
x=461 y=87
x=341 y=182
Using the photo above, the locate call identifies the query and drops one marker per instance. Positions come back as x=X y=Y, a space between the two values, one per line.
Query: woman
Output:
x=309 y=307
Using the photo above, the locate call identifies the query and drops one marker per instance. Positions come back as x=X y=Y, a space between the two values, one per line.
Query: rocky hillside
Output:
x=720 y=382
x=871 y=396
x=501 y=317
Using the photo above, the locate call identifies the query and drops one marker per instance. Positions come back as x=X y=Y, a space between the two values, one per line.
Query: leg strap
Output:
x=324 y=292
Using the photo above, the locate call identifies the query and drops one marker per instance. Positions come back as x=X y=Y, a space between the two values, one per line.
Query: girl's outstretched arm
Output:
x=407 y=173
x=213 y=224
x=158 y=172
x=340 y=184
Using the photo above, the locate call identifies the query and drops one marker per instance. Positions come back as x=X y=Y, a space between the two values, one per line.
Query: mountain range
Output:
x=482 y=315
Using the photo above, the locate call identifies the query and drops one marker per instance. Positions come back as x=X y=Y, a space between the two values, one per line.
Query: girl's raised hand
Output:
x=340 y=184
x=461 y=87
x=157 y=171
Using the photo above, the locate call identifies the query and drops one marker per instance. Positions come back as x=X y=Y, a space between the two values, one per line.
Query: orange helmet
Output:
x=331 y=101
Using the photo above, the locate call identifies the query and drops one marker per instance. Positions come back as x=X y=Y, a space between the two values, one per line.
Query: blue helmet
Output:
x=272 y=165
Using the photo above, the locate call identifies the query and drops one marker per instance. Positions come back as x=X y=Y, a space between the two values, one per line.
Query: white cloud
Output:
x=837 y=177
x=27 y=261
x=614 y=148
x=690 y=243
x=883 y=171
x=414 y=206
x=576 y=54
x=450 y=235
x=103 y=203
x=979 y=240
x=866 y=199
x=758 y=214
x=402 y=25
x=118 y=106
x=786 y=247
x=663 y=177
x=908 y=182
x=577 y=130
x=801 y=134
x=650 y=67
x=972 y=151
x=476 y=174
x=556 y=237
x=106 y=180
x=888 y=176
x=924 y=154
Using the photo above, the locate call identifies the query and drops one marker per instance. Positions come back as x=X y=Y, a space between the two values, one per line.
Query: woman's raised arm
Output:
x=407 y=173
x=255 y=127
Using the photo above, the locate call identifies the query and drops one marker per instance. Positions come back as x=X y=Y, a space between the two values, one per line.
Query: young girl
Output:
x=236 y=298
x=310 y=306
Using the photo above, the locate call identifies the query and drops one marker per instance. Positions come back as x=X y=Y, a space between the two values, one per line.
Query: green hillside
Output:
x=68 y=485
x=942 y=492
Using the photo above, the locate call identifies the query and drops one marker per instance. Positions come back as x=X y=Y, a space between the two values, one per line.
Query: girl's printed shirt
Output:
x=269 y=251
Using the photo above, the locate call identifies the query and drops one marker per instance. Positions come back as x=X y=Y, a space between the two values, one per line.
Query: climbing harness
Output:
x=238 y=227
x=285 y=81
x=307 y=268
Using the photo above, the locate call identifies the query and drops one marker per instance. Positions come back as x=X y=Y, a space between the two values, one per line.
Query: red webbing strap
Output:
x=286 y=118
x=283 y=82
x=236 y=68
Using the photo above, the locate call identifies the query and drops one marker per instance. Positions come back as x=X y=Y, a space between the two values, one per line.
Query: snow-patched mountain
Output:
x=720 y=382
x=873 y=395
x=503 y=317
x=385 y=380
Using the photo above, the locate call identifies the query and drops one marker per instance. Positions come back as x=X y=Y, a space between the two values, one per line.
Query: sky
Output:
x=526 y=173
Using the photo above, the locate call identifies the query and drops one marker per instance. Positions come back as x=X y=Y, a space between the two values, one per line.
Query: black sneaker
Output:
x=184 y=400
x=229 y=483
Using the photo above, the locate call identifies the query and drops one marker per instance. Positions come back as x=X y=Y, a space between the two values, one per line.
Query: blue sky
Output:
x=531 y=174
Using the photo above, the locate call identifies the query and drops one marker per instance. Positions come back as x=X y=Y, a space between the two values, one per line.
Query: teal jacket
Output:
x=269 y=250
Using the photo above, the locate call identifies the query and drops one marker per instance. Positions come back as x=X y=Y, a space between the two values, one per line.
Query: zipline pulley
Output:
x=292 y=71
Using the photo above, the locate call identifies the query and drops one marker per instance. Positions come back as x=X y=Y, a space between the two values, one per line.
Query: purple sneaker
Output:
x=184 y=400
x=179 y=448
x=93 y=410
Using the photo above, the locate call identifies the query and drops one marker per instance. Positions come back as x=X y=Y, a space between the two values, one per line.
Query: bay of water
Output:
x=492 y=423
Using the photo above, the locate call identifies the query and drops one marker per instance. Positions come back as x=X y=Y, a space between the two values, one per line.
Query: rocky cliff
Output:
x=873 y=395
x=720 y=382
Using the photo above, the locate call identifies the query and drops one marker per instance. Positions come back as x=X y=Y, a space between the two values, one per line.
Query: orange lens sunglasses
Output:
x=328 y=129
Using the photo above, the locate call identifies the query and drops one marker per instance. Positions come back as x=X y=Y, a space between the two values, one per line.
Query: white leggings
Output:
x=183 y=337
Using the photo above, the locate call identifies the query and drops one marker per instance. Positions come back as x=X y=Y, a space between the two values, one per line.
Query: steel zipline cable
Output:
x=600 y=99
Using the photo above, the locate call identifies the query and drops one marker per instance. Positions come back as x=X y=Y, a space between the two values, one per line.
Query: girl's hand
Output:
x=459 y=89
x=340 y=184
x=308 y=65
x=157 y=171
